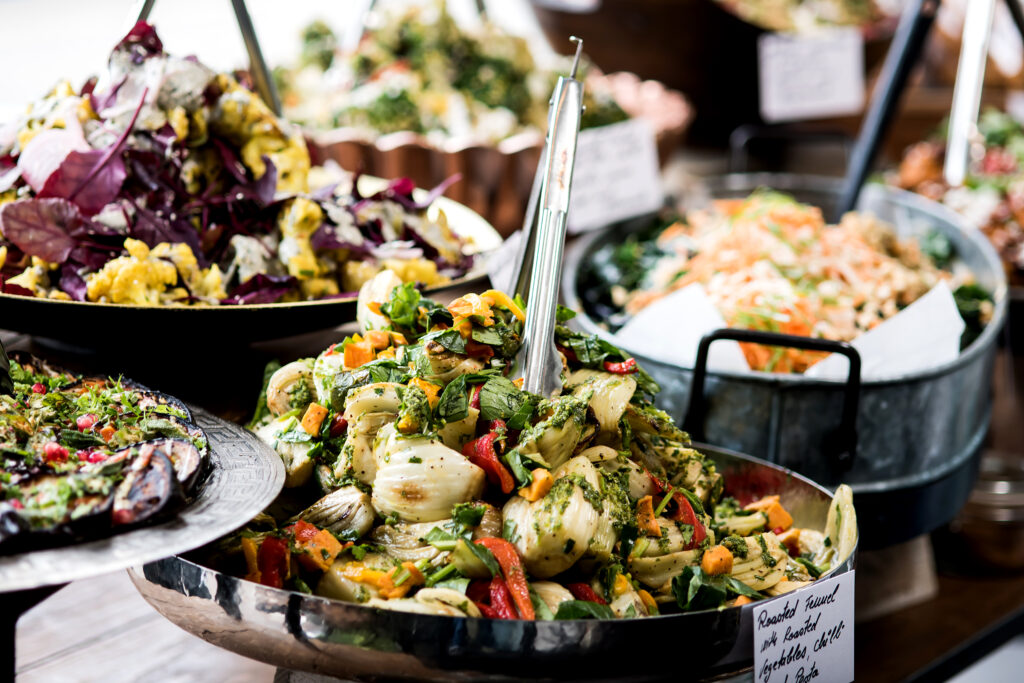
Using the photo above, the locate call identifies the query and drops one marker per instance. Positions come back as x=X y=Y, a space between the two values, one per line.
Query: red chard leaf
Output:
x=41 y=227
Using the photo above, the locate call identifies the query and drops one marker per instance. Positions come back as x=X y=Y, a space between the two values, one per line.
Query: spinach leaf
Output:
x=449 y=339
x=694 y=590
x=500 y=399
x=581 y=609
x=453 y=405
x=402 y=308
x=488 y=335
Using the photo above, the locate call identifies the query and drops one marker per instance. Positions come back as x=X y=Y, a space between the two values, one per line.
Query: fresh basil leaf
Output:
x=510 y=531
x=449 y=339
x=563 y=314
x=487 y=335
x=814 y=570
x=453 y=405
x=516 y=462
x=522 y=416
x=485 y=556
x=402 y=308
x=581 y=609
x=694 y=590
x=460 y=585
x=440 y=539
x=500 y=399
x=540 y=607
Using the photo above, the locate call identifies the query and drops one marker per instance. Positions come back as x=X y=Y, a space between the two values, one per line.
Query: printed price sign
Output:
x=807 y=77
x=806 y=637
x=616 y=175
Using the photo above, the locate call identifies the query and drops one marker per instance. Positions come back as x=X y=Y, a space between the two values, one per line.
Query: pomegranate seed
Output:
x=17 y=504
x=85 y=422
x=778 y=530
x=38 y=388
x=95 y=456
x=54 y=452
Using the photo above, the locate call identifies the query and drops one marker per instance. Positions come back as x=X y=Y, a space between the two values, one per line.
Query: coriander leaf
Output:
x=581 y=609
x=453 y=405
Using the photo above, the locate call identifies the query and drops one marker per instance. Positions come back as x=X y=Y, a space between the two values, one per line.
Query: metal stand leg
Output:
x=14 y=605
x=906 y=47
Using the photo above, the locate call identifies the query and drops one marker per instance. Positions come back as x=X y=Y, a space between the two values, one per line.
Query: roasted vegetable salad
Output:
x=421 y=478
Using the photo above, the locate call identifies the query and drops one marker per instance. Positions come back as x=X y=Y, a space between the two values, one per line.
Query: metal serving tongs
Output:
x=257 y=65
x=543 y=239
x=963 y=134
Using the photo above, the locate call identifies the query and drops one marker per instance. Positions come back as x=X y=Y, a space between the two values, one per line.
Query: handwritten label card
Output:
x=811 y=76
x=807 y=636
x=616 y=175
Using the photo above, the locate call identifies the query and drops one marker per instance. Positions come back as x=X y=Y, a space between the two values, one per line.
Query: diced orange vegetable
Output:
x=379 y=339
x=621 y=584
x=250 y=549
x=741 y=600
x=778 y=517
x=431 y=390
x=472 y=305
x=398 y=339
x=313 y=418
x=374 y=307
x=386 y=353
x=539 y=487
x=790 y=538
x=518 y=382
x=389 y=590
x=716 y=560
x=320 y=550
x=648 y=600
x=357 y=354
x=107 y=433
x=493 y=296
x=645 y=518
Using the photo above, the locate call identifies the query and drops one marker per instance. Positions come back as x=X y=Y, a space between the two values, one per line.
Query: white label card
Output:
x=811 y=76
x=808 y=636
x=616 y=175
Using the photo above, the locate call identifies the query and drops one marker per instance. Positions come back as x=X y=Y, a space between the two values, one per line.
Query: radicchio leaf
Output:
x=142 y=42
x=72 y=282
x=45 y=153
x=153 y=229
x=92 y=178
x=261 y=289
x=41 y=227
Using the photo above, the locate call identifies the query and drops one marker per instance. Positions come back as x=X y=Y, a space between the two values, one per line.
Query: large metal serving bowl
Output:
x=310 y=633
x=919 y=435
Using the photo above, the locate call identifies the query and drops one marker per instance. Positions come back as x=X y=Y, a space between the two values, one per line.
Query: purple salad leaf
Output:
x=141 y=43
x=93 y=178
x=153 y=228
x=72 y=282
x=41 y=227
x=261 y=289
x=44 y=154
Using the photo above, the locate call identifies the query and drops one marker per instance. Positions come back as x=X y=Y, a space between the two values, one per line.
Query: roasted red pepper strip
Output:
x=474 y=401
x=582 y=591
x=684 y=513
x=272 y=560
x=626 y=367
x=475 y=349
x=515 y=576
x=303 y=531
x=501 y=602
x=482 y=454
x=569 y=354
x=339 y=425
x=486 y=611
x=479 y=590
x=659 y=486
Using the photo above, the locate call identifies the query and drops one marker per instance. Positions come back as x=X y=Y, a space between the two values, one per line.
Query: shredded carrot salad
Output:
x=770 y=263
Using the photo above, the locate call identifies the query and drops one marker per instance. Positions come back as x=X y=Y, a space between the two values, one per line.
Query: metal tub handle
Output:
x=841 y=447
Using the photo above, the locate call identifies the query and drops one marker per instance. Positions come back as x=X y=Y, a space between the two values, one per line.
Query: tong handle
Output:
x=542 y=368
x=970 y=75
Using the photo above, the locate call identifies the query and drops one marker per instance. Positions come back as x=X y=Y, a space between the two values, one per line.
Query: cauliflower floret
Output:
x=147 y=277
x=298 y=221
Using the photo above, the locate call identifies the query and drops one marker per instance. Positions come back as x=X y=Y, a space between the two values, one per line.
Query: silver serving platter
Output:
x=244 y=476
x=319 y=635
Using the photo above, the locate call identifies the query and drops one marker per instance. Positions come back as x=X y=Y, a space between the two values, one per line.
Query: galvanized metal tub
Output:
x=353 y=642
x=918 y=436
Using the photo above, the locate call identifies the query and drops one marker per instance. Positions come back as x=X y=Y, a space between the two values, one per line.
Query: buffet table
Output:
x=105 y=626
